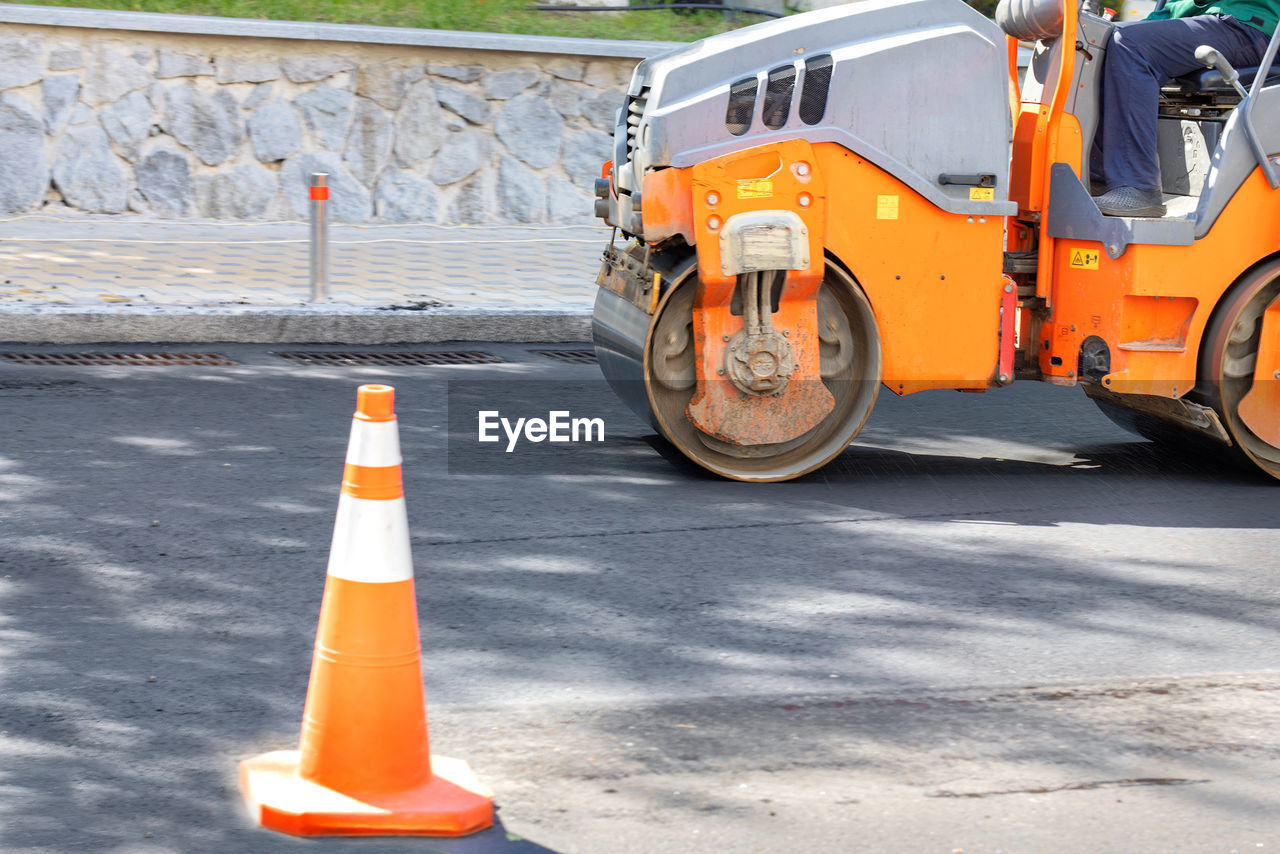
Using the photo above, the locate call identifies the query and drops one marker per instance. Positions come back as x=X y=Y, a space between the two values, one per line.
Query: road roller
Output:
x=813 y=210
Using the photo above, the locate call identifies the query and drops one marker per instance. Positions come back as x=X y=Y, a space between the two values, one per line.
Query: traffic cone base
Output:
x=452 y=803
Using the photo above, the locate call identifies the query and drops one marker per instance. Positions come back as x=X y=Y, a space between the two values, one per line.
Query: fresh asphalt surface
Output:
x=996 y=623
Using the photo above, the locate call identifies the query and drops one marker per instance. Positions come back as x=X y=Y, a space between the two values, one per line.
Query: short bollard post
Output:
x=319 y=236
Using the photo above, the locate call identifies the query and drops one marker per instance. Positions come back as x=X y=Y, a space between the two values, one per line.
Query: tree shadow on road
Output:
x=163 y=564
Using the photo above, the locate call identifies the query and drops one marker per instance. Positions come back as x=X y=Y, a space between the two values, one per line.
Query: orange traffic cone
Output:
x=364 y=765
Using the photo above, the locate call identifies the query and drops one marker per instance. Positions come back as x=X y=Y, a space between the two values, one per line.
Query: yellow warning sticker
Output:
x=982 y=194
x=886 y=207
x=755 y=188
x=1084 y=259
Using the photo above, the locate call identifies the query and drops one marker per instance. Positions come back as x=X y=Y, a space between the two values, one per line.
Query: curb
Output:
x=289 y=328
x=207 y=25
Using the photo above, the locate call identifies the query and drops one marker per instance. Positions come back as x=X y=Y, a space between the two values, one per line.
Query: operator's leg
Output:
x=1140 y=57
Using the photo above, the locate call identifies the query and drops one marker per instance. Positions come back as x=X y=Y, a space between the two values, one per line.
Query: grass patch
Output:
x=494 y=16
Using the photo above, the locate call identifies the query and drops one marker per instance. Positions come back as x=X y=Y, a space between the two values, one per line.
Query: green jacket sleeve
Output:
x=1262 y=14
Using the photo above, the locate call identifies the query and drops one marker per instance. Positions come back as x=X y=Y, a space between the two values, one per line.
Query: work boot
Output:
x=1130 y=201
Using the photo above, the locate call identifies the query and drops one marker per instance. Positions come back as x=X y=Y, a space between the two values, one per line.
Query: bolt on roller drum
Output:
x=650 y=362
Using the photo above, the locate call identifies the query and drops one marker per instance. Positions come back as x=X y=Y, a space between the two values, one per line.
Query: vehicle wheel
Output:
x=850 y=368
x=1228 y=357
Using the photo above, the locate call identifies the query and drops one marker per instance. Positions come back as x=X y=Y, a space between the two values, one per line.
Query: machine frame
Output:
x=964 y=224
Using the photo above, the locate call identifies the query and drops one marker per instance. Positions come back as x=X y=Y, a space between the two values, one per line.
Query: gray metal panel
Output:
x=1074 y=215
x=1041 y=78
x=919 y=87
x=1083 y=102
x=1183 y=146
x=1234 y=161
x=101 y=19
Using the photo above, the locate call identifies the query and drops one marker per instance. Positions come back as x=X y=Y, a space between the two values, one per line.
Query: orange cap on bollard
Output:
x=376 y=403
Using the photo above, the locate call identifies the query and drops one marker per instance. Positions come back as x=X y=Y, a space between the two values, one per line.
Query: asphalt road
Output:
x=997 y=623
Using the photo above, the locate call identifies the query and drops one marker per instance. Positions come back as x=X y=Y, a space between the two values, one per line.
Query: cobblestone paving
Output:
x=132 y=264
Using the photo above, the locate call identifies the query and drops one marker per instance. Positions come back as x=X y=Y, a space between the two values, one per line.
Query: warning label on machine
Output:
x=886 y=207
x=755 y=188
x=1084 y=259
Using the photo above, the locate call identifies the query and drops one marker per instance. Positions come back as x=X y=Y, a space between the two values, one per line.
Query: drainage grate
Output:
x=117 y=358
x=448 y=357
x=575 y=357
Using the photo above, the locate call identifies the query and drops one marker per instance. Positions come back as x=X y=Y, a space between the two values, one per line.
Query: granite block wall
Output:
x=219 y=127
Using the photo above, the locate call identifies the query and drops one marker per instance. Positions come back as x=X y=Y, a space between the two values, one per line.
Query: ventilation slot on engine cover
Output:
x=742 y=104
x=450 y=357
x=777 y=96
x=813 y=95
x=634 y=112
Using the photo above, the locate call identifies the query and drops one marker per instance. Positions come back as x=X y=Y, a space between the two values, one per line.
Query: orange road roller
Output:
x=872 y=195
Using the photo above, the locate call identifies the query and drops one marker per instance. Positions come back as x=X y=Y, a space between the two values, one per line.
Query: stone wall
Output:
x=227 y=127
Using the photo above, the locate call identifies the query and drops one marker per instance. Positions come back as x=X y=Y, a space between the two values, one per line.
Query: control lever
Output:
x=1210 y=58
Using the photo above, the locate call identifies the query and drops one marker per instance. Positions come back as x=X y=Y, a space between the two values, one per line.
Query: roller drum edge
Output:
x=619 y=330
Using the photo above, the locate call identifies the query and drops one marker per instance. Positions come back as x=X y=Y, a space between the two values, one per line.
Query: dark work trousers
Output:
x=1140 y=57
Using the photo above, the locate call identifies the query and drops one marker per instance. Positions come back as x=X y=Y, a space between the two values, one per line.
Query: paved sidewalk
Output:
x=77 y=279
